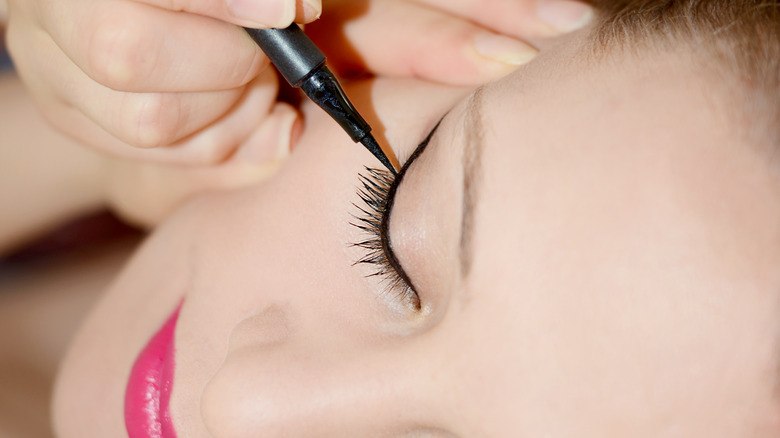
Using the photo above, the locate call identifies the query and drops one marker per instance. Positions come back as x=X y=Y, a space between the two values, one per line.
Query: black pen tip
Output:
x=371 y=144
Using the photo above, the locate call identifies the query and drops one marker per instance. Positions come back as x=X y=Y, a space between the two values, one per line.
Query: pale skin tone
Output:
x=623 y=275
x=199 y=110
x=48 y=178
x=181 y=82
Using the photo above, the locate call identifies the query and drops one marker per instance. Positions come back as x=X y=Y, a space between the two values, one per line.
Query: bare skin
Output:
x=130 y=77
x=622 y=280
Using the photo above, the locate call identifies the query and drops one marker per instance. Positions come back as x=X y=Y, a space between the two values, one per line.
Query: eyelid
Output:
x=387 y=246
x=374 y=220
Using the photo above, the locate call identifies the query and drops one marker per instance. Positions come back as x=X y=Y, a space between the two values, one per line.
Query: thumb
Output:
x=248 y=13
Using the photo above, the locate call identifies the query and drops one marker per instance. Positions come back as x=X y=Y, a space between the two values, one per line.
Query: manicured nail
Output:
x=312 y=9
x=503 y=49
x=263 y=13
x=565 y=15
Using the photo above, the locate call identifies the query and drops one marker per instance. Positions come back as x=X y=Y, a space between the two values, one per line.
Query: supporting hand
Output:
x=164 y=81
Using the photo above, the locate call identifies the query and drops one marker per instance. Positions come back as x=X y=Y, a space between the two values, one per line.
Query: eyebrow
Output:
x=472 y=172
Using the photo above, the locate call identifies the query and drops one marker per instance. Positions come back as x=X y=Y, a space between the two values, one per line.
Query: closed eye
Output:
x=377 y=193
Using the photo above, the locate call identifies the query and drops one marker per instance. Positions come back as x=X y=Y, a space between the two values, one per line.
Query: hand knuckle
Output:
x=118 y=55
x=210 y=155
x=153 y=119
x=247 y=69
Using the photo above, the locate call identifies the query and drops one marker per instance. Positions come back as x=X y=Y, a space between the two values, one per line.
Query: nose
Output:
x=312 y=354
x=300 y=384
x=314 y=357
x=296 y=362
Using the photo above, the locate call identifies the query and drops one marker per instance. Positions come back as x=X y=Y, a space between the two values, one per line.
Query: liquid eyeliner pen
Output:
x=303 y=65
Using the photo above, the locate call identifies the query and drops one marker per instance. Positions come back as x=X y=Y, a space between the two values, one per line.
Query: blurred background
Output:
x=46 y=288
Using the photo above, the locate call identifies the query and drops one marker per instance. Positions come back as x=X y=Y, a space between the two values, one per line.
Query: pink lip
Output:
x=149 y=387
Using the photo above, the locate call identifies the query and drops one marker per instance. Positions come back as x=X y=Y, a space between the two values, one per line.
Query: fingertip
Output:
x=503 y=49
x=480 y=57
x=273 y=139
x=263 y=13
x=497 y=55
x=307 y=11
x=565 y=16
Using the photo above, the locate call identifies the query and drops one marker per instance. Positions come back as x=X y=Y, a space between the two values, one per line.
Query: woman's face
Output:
x=593 y=253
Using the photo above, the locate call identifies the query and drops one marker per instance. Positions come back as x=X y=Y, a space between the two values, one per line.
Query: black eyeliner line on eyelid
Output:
x=384 y=232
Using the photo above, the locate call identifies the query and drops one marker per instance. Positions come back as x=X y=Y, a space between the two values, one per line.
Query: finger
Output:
x=95 y=114
x=220 y=138
x=273 y=138
x=214 y=144
x=248 y=13
x=152 y=120
x=136 y=47
x=426 y=43
x=145 y=193
x=522 y=19
x=233 y=134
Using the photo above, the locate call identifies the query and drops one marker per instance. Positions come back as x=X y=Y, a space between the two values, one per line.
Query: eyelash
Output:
x=378 y=194
x=375 y=191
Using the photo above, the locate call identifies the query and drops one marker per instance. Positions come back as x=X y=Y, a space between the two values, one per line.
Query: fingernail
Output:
x=263 y=13
x=296 y=132
x=287 y=136
x=273 y=141
x=565 y=15
x=503 y=49
x=312 y=9
x=244 y=174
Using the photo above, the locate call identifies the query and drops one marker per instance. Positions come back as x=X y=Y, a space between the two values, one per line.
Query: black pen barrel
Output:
x=303 y=65
x=290 y=50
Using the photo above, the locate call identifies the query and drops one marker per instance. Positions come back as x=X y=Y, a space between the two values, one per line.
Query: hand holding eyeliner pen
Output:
x=303 y=65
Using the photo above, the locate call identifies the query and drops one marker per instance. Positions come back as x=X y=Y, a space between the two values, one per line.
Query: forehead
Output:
x=636 y=238
x=638 y=149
